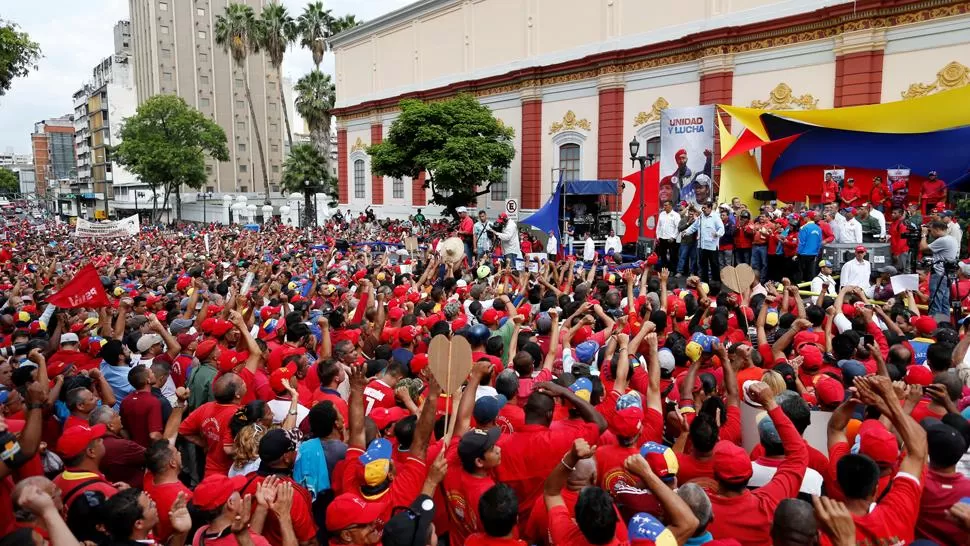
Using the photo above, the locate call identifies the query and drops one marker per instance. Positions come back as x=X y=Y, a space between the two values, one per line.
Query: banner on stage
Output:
x=686 y=144
x=126 y=227
x=898 y=180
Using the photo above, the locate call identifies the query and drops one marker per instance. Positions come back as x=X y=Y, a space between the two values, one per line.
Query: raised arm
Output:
x=680 y=518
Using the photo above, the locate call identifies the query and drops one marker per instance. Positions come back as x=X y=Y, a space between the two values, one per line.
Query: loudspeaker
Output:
x=765 y=195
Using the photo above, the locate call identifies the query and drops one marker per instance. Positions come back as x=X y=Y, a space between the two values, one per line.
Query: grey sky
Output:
x=75 y=36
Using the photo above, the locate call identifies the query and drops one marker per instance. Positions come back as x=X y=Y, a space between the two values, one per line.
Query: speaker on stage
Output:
x=765 y=195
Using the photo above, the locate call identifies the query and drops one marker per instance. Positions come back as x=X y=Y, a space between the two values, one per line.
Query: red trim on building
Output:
x=611 y=148
x=531 y=187
x=342 y=166
x=418 y=194
x=858 y=78
x=377 y=182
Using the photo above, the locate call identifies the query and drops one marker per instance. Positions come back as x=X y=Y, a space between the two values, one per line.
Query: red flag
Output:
x=84 y=290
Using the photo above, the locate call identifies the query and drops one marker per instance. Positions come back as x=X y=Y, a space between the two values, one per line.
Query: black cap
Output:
x=475 y=443
x=410 y=526
x=946 y=445
x=276 y=443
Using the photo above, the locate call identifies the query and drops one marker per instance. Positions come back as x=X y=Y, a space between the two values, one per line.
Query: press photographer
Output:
x=944 y=249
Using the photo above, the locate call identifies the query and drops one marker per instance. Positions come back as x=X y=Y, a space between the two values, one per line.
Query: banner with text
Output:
x=122 y=228
x=686 y=145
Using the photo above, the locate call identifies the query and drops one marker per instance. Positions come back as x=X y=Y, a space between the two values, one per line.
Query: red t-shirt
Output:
x=893 y=520
x=922 y=410
x=850 y=195
x=408 y=481
x=79 y=360
x=141 y=415
x=829 y=190
x=74 y=421
x=629 y=492
x=164 y=496
x=510 y=418
x=68 y=481
x=481 y=539
x=211 y=421
x=463 y=491
x=941 y=492
x=378 y=394
x=564 y=530
x=933 y=190
x=330 y=395
x=530 y=454
x=832 y=489
x=692 y=468
x=301 y=513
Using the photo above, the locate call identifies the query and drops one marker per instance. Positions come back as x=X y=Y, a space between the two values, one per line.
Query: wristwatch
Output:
x=35 y=405
x=291 y=412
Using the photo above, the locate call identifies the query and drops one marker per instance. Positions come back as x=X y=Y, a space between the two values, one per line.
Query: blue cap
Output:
x=629 y=400
x=582 y=388
x=487 y=408
x=586 y=351
x=378 y=450
x=644 y=527
x=4 y=395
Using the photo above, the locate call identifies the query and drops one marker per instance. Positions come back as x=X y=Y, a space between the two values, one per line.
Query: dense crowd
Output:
x=273 y=387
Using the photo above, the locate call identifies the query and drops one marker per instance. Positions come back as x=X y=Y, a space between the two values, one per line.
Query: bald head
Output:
x=227 y=387
x=794 y=524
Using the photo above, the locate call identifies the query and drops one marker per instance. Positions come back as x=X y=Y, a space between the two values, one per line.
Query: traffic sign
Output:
x=512 y=208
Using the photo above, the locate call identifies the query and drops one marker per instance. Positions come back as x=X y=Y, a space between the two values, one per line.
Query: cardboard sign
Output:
x=738 y=278
x=449 y=360
x=411 y=244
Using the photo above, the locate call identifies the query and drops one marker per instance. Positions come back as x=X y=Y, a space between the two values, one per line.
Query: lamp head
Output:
x=634 y=149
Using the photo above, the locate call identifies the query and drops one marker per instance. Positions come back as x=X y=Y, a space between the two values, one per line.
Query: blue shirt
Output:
x=809 y=239
x=709 y=229
x=698 y=540
x=117 y=378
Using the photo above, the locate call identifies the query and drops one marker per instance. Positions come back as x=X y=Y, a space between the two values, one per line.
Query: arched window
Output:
x=569 y=161
x=397 y=188
x=653 y=147
x=359 y=187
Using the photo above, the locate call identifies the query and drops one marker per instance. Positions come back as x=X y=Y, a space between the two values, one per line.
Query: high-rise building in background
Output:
x=100 y=106
x=175 y=52
x=52 y=143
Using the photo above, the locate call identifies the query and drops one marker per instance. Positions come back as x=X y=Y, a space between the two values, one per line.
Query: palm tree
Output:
x=307 y=164
x=344 y=23
x=238 y=33
x=278 y=31
x=314 y=101
x=315 y=26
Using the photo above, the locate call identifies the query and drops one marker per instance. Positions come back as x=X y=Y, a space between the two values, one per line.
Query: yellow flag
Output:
x=740 y=176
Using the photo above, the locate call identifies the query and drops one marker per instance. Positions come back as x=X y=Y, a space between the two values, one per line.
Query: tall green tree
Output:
x=315 y=97
x=165 y=144
x=458 y=144
x=277 y=33
x=238 y=33
x=315 y=25
x=346 y=22
x=307 y=164
x=9 y=181
x=18 y=54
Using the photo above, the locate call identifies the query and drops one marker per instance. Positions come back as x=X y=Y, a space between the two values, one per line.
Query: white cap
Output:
x=461 y=209
x=69 y=338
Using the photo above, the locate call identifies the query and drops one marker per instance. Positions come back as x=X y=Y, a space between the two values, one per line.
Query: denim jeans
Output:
x=742 y=256
x=687 y=261
x=940 y=294
x=759 y=260
x=725 y=258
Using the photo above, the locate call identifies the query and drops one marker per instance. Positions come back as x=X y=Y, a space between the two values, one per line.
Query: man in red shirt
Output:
x=164 y=462
x=331 y=374
x=744 y=514
x=898 y=246
x=379 y=392
x=124 y=460
x=850 y=195
x=944 y=485
x=141 y=412
x=893 y=519
x=932 y=193
x=830 y=189
x=208 y=425
x=82 y=449
x=498 y=510
x=880 y=195
x=466 y=228
x=69 y=354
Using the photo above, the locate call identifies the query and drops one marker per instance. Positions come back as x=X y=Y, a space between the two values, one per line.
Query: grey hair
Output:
x=451 y=310
x=699 y=503
x=101 y=415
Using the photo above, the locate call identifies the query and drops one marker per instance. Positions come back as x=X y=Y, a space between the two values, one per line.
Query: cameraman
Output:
x=898 y=243
x=944 y=249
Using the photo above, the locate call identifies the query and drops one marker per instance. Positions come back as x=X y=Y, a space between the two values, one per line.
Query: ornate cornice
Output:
x=570 y=123
x=951 y=76
x=358 y=146
x=782 y=98
x=656 y=110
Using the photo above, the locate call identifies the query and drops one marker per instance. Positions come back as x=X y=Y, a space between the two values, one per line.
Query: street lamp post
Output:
x=204 y=196
x=306 y=203
x=643 y=160
x=227 y=201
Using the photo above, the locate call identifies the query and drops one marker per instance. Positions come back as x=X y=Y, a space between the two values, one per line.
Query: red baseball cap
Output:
x=924 y=324
x=811 y=357
x=860 y=248
x=828 y=391
x=805 y=337
x=349 y=509
x=627 y=422
x=205 y=348
x=75 y=440
x=214 y=491
x=418 y=363
x=395 y=313
x=918 y=374
x=279 y=378
x=228 y=360
x=407 y=334
x=491 y=317
x=267 y=312
x=878 y=443
x=731 y=462
x=385 y=417
x=221 y=327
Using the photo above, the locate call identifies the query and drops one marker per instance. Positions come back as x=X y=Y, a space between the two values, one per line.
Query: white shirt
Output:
x=881 y=218
x=851 y=232
x=613 y=243
x=510 y=239
x=953 y=230
x=589 y=250
x=761 y=475
x=821 y=279
x=552 y=245
x=282 y=407
x=667 y=223
x=856 y=273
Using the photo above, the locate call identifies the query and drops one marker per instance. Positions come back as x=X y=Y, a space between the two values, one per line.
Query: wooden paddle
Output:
x=449 y=361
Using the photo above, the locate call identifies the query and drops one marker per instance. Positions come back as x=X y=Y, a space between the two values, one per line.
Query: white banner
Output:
x=122 y=228
x=686 y=145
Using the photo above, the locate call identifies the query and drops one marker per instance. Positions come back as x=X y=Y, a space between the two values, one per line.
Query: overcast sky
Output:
x=74 y=36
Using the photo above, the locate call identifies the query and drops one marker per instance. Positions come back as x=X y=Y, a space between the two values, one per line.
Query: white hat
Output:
x=148 y=341
x=461 y=209
x=69 y=338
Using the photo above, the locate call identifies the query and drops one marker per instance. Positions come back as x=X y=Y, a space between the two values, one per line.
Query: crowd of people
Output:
x=274 y=388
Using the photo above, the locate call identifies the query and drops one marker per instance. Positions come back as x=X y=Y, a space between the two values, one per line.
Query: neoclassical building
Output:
x=578 y=79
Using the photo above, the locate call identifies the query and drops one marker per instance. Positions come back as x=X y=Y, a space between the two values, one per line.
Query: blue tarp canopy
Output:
x=546 y=218
x=591 y=187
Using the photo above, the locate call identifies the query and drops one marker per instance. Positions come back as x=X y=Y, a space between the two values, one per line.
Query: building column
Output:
x=377 y=182
x=342 y=166
x=611 y=150
x=531 y=176
x=419 y=196
x=858 y=67
x=717 y=87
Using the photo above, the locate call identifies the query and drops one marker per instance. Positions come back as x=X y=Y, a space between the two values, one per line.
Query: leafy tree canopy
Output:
x=457 y=142
x=9 y=181
x=18 y=54
x=306 y=162
x=166 y=142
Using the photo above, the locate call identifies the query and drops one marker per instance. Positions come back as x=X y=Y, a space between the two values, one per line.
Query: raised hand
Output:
x=582 y=450
x=179 y=516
